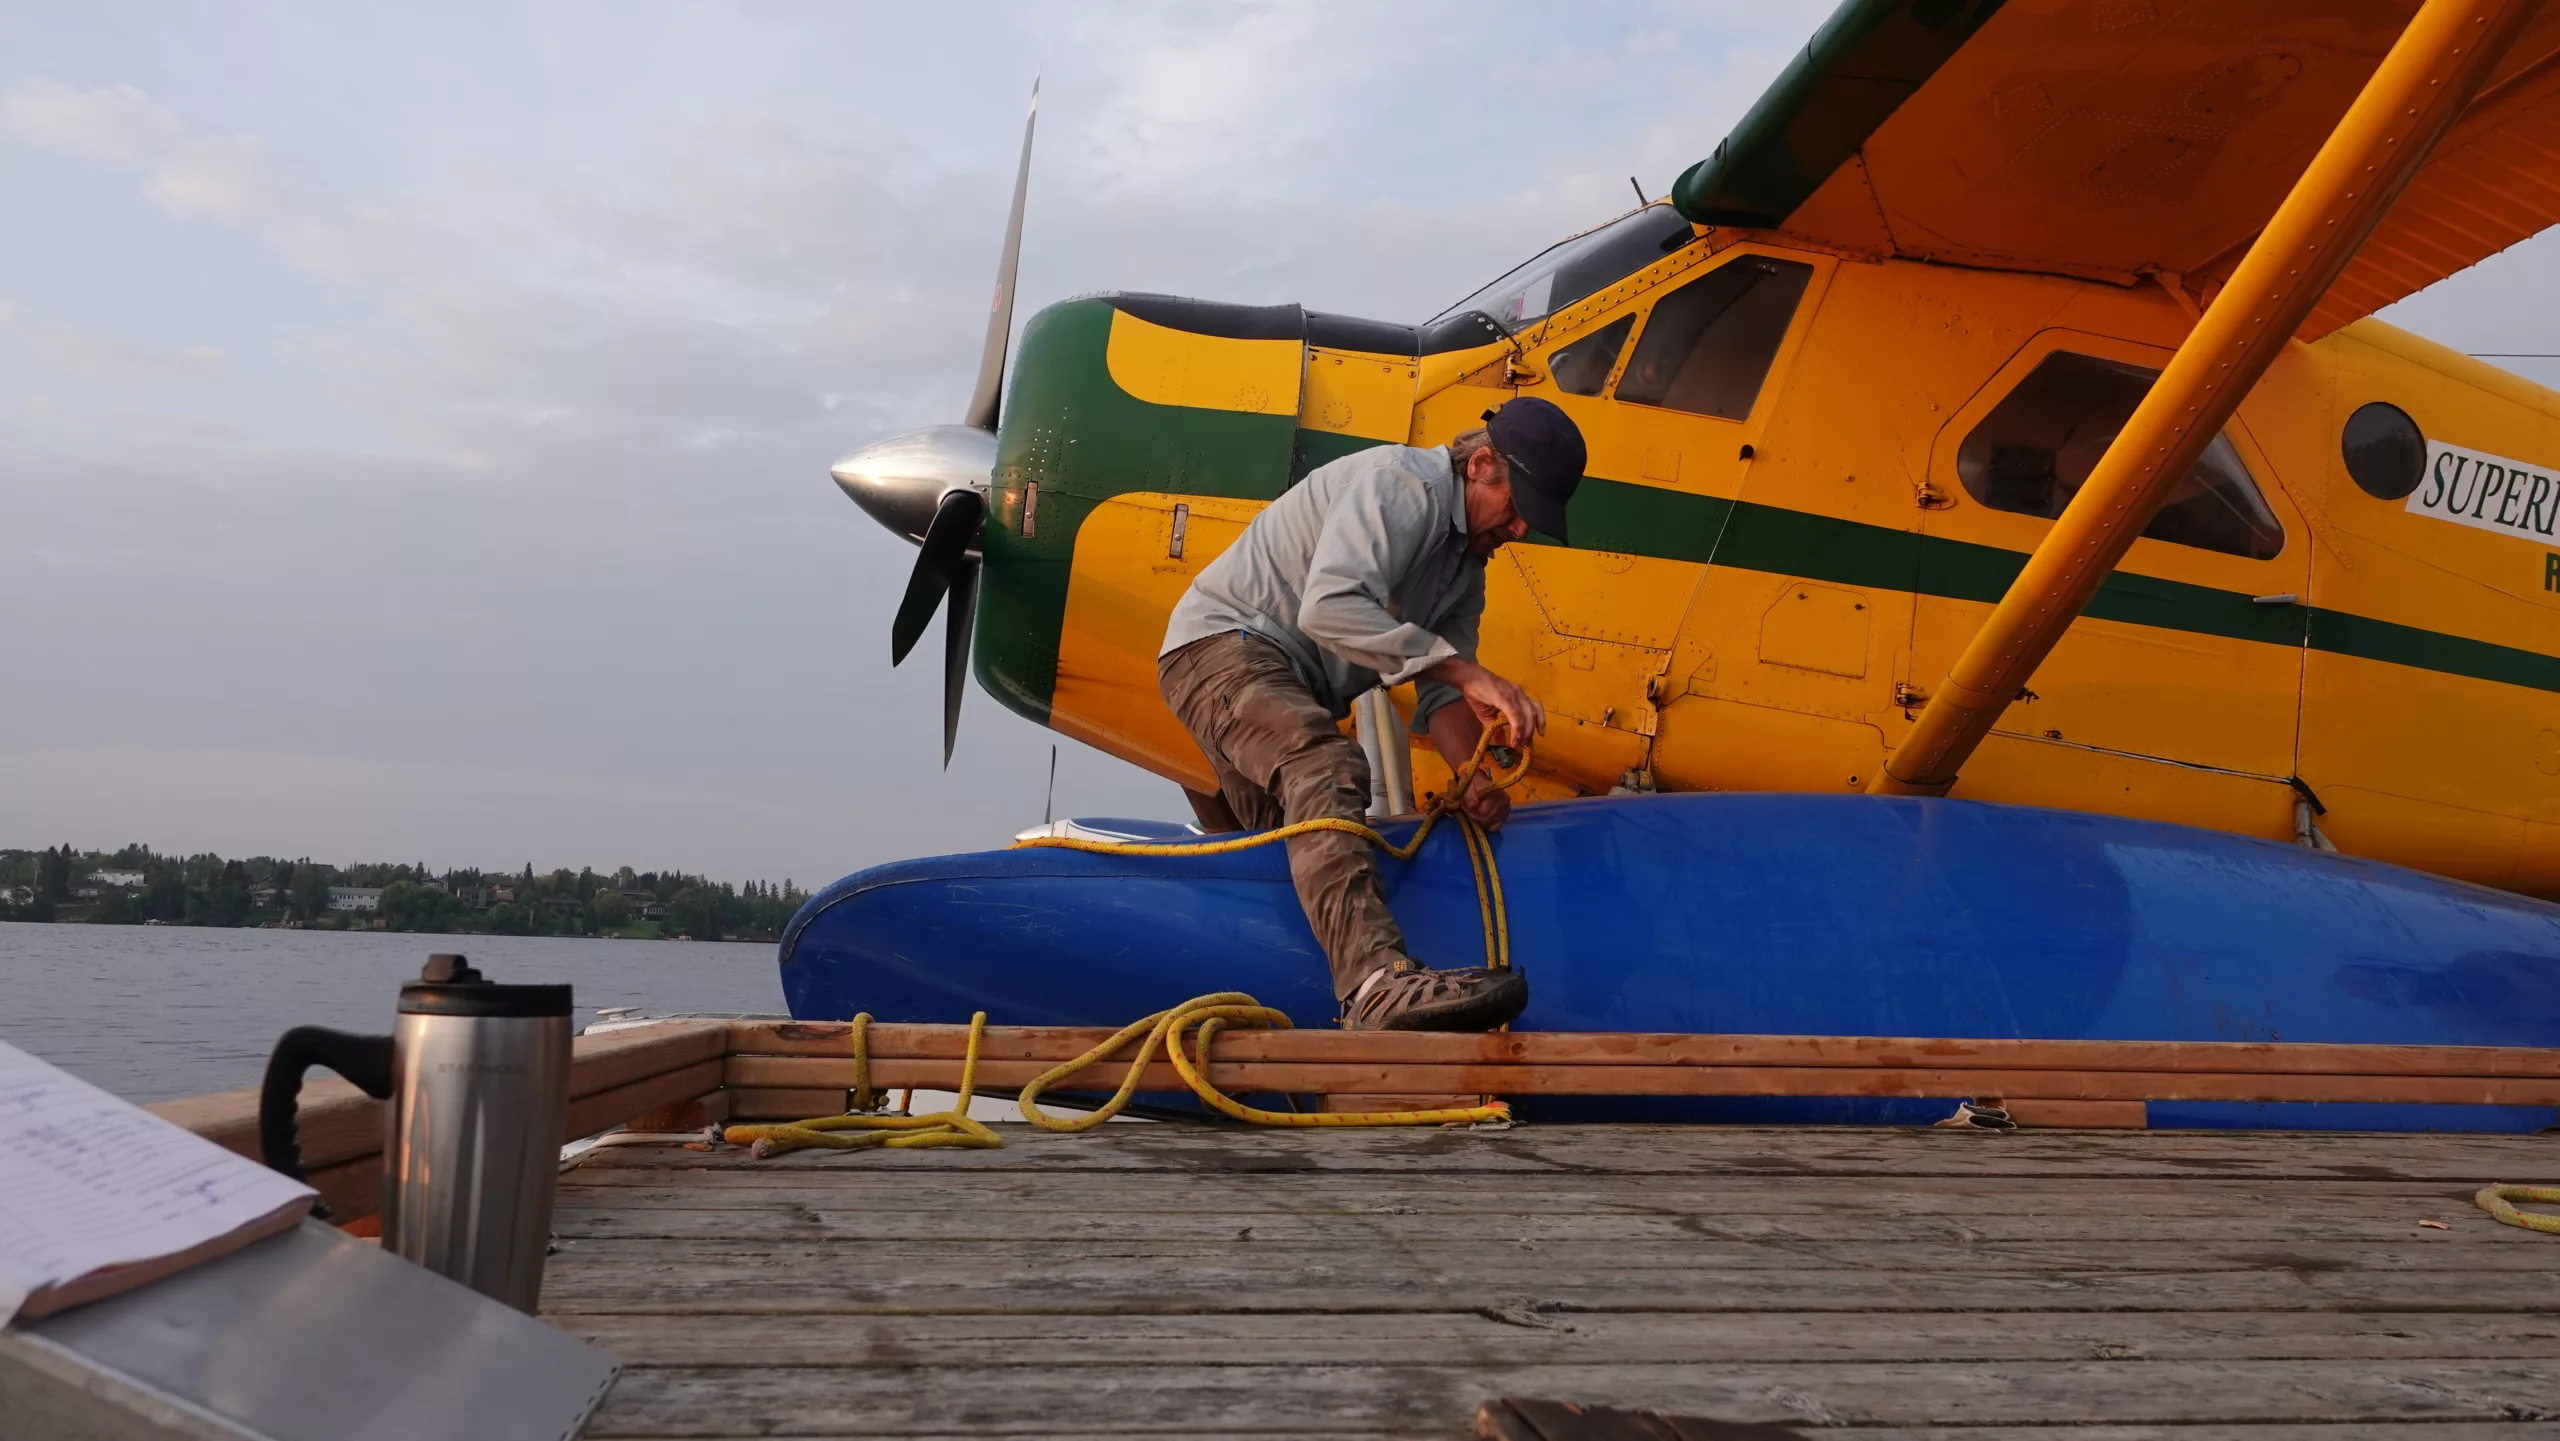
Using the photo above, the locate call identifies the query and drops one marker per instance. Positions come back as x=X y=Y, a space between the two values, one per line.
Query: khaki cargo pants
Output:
x=1279 y=759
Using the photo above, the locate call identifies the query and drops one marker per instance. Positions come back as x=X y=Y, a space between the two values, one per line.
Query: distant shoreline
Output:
x=637 y=931
x=137 y=886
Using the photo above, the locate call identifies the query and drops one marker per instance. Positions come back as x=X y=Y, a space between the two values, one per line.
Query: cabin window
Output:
x=1583 y=367
x=1709 y=344
x=2035 y=450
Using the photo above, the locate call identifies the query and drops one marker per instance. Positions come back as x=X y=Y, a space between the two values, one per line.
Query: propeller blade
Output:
x=947 y=541
x=988 y=401
x=955 y=651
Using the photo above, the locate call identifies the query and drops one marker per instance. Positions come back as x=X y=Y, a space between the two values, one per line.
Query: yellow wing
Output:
x=2118 y=139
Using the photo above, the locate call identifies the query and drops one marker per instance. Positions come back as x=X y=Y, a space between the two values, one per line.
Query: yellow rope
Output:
x=1197 y=1021
x=863 y=1100
x=856 y=1131
x=2494 y=1199
x=1488 y=876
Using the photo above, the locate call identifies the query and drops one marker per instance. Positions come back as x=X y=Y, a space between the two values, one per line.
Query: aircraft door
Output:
x=1587 y=628
x=1674 y=386
x=2177 y=693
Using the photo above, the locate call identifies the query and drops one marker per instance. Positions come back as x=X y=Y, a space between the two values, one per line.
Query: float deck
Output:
x=1217 y=1281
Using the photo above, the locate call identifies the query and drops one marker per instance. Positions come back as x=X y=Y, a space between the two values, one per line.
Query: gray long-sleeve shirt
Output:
x=1360 y=574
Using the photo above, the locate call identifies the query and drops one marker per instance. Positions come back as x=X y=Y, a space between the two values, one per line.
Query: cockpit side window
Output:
x=1583 y=367
x=1708 y=345
x=2035 y=450
x=1568 y=271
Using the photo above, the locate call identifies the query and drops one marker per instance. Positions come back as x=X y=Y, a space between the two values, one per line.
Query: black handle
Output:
x=365 y=1060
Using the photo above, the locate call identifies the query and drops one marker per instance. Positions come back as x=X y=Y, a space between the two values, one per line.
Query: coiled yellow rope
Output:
x=1183 y=1032
x=2494 y=1200
x=1196 y=1021
x=862 y=1128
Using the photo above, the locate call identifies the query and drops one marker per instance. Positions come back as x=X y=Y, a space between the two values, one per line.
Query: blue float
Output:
x=1753 y=913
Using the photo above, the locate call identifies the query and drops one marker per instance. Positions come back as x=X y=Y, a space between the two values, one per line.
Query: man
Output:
x=1370 y=571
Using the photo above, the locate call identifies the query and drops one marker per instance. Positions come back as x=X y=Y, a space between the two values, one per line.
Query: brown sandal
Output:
x=1405 y=996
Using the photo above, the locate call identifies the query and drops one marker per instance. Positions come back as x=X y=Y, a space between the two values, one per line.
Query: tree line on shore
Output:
x=135 y=885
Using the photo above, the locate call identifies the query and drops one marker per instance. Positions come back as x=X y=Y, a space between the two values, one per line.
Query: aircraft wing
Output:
x=2114 y=139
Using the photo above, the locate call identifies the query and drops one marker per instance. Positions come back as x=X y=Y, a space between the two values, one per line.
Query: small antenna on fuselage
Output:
x=1641 y=201
x=1049 y=803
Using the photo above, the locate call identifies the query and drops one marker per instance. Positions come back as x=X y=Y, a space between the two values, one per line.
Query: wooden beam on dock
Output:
x=801 y=1061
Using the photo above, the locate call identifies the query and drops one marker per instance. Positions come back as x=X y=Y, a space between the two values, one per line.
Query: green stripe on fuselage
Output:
x=1650 y=521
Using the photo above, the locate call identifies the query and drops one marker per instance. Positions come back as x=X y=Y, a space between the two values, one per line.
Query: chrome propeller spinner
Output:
x=900 y=482
x=930 y=485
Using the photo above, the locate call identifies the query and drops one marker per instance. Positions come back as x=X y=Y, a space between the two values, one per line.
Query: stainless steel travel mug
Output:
x=471 y=1154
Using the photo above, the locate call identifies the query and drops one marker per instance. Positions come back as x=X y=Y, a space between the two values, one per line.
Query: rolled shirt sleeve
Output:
x=1373 y=532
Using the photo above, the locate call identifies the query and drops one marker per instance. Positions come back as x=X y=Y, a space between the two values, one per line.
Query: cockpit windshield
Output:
x=1569 y=270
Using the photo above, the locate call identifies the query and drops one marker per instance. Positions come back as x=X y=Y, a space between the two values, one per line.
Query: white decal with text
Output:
x=2487 y=491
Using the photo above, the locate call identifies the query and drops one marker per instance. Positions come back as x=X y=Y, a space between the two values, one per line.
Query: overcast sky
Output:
x=414 y=419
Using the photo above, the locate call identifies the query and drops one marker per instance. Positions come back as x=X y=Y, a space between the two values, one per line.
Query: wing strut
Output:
x=2432 y=72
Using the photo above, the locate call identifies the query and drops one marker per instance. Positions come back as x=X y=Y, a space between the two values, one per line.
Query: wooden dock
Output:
x=1205 y=1280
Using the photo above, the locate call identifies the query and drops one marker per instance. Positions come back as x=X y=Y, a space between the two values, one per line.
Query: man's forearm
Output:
x=1449 y=670
x=1454 y=732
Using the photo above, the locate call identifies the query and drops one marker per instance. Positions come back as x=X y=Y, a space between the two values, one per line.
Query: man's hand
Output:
x=1455 y=730
x=1487 y=804
x=1493 y=698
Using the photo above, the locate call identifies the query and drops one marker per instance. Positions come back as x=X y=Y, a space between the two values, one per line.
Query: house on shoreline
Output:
x=355 y=898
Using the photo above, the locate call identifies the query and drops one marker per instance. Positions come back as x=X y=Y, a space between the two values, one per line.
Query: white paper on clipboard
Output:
x=97 y=1194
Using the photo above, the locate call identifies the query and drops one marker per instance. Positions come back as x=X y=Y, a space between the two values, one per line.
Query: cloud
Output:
x=217 y=176
x=186 y=174
x=114 y=122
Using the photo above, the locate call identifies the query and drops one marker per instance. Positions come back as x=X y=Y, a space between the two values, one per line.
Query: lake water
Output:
x=151 y=1012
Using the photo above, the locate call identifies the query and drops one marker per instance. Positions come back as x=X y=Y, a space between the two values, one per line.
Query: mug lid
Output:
x=451 y=986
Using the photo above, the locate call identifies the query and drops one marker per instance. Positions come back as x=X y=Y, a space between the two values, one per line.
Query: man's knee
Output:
x=1327 y=776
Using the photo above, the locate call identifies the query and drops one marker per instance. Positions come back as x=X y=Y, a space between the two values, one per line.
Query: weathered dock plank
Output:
x=1525 y=1333
x=1243 y=1397
x=1094 y=1214
x=1648 y=1151
x=1194 y=1281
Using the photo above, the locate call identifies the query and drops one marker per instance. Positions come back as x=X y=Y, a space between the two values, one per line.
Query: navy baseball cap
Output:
x=1544 y=449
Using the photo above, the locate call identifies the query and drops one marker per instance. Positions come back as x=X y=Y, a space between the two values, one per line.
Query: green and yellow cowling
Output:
x=1120 y=409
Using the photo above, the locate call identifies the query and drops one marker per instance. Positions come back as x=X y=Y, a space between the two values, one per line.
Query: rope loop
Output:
x=2495 y=1200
